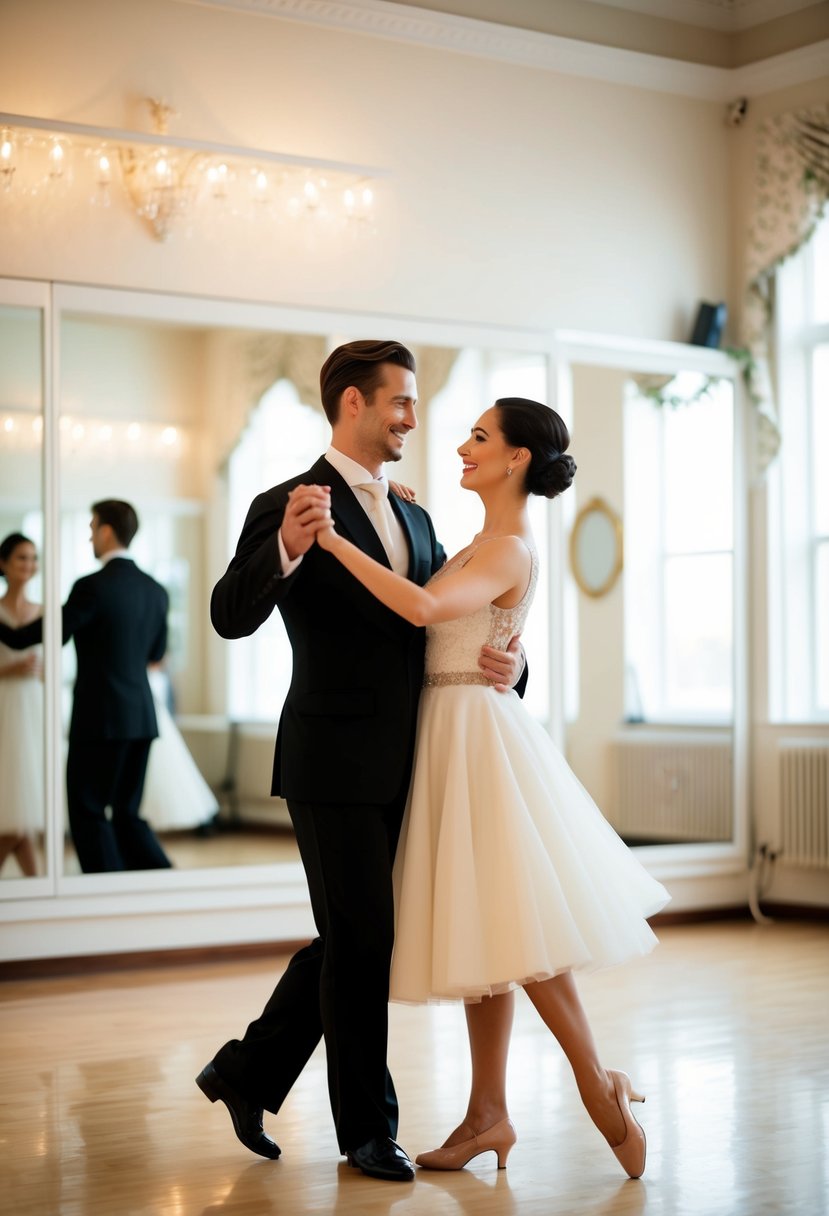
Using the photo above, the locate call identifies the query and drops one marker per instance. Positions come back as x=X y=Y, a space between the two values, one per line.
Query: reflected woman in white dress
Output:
x=507 y=874
x=21 y=713
x=176 y=796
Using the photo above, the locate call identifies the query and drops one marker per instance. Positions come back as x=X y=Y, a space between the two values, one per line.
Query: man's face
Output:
x=98 y=534
x=385 y=420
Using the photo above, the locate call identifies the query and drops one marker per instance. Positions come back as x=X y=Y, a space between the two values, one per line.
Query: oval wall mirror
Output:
x=596 y=548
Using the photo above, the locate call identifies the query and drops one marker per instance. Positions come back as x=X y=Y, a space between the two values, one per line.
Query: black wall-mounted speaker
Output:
x=709 y=325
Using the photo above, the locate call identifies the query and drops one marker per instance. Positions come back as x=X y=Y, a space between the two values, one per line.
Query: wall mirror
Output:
x=654 y=692
x=24 y=845
x=186 y=409
x=596 y=548
x=182 y=406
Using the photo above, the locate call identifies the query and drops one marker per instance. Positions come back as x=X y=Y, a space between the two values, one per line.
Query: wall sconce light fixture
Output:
x=171 y=181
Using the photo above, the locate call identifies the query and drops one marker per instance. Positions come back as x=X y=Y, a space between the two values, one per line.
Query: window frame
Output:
x=794 y=540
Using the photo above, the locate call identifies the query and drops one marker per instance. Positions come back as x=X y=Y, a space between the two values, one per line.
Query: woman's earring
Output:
x=509 y=472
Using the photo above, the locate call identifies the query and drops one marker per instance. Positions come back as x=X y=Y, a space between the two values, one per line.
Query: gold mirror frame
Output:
x=596 y=507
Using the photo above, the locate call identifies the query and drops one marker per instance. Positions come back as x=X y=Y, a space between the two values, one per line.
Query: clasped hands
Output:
x=307 y=521
x=307 y=517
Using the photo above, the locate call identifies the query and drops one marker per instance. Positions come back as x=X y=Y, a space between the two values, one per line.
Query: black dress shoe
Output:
x=247 y=1118
x=382 y=1158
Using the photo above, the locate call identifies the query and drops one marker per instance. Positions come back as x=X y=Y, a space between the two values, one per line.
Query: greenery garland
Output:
x=660 y=395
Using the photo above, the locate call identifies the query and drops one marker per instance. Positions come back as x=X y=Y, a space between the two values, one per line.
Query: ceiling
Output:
x=729 y=15
x=720 y=33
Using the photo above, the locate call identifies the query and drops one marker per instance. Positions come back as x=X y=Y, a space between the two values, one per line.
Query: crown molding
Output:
x=548 y=52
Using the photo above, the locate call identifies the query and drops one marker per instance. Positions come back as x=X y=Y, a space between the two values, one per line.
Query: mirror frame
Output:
x=575 y=347
x=269 y=902
x=35 y=295
x=604 y=511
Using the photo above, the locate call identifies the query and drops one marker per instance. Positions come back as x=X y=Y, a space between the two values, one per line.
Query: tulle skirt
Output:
x=176 y=795
x=506 y=872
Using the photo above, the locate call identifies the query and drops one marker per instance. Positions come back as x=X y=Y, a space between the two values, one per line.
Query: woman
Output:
x=176 y=796
x=507 y=874
x=21 y=712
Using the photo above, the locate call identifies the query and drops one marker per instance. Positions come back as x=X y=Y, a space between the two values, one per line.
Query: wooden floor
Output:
x=725 y=1027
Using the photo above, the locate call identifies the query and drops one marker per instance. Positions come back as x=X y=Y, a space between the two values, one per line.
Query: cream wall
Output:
x=517 y=196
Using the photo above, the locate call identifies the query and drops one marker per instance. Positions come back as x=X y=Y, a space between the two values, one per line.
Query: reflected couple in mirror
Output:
x=450 y=852
x=21 y=712
x=117 y=619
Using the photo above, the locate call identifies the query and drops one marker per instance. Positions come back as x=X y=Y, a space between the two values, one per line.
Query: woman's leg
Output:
x=558 y=1002
x=23 y=850
x=25 y=854
x=489 y=1023
x=7 y=845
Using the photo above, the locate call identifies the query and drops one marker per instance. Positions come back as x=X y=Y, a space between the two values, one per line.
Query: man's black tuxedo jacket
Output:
x=118 y=619
x=347 y=728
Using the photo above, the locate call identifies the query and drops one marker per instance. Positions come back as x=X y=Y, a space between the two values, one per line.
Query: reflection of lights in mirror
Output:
x=94 y=439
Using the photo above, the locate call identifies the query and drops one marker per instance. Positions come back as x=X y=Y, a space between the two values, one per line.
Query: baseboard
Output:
x=139 y=960
x=93 y=964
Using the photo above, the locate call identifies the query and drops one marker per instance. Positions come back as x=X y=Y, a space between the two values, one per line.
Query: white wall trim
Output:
x=117 y=927
x=549 y=52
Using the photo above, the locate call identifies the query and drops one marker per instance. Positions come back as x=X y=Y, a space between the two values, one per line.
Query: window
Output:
x=259 y=667
x=799 y=491
x=679 y=553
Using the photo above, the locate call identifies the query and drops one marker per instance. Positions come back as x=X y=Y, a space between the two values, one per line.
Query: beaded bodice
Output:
x=453 y=647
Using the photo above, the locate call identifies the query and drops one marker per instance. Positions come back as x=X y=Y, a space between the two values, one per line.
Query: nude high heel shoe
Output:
x=631 y=1152
x=499 y=1139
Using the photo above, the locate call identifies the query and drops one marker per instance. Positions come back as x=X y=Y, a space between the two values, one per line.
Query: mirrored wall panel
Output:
x=22 y=751
x=187 y=424
x=651 y=608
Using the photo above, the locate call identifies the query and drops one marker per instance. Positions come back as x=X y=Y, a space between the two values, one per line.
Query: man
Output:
x=118 y=620
x=343 y=754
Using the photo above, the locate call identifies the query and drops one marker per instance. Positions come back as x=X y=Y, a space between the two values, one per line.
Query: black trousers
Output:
x=110 y=773
x=338 y=986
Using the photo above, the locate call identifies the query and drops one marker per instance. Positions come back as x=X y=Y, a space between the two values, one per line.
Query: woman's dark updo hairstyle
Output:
x=536 y=427
x=8 y=546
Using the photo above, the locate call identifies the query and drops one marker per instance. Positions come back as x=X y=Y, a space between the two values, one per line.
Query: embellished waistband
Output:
x=442 y=679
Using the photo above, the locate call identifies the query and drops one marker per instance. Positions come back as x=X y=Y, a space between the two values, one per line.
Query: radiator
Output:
x=804 y=802
x=672 y=788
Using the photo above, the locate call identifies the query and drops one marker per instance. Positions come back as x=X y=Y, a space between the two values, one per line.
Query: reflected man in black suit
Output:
x=117 y=618
x=343 y=753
